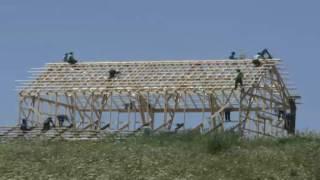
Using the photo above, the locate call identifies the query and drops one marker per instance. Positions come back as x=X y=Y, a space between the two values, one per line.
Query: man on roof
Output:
x=68 y=57
x=264 y=54
x=232 y=55
x=113 y=73
x=238 y=79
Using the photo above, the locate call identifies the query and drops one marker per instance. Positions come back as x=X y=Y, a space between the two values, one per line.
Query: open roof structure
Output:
x=160 y=94
x=143 y=75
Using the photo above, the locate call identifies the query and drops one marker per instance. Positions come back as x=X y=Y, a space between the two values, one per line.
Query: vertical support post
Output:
x=73 y=118
x=184 y=110
x=212 y=102
x=104 y=102
x=202 y=99
x=135 y=118
x=257 y=123
x=56 y=108
x=118 y=121
x=38 y=108
x=92 y=109
x=50 y=108
x=110 y=110
x=148 y=109
x=33 y=103
x=142 y=105
x=20 y=109
x=165 y=112
x=240 y=113
x=272 y=89
x=129 y=112
x=222 y=115
x=264 y=126
x=247 y=113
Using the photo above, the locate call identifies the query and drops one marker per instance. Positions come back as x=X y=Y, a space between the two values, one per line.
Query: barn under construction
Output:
x=172 y=96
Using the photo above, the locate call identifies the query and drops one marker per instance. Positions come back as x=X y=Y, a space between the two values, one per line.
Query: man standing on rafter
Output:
x=238 y=79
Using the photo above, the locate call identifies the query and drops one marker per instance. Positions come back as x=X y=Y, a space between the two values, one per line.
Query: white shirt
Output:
x=257 y=56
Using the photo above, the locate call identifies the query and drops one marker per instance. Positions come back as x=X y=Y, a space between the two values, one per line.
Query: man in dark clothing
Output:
x=46 y=124
x=113 y=73
x=256 y=59
x=238 y=79
x=126 y=106
x=70 y=126
x=280 y=111
x=232 y=56
x=68 y=57
x=281 y=114
x=178 y=126
x=227 y=114
x=256 y=62
x=292 y=116
x=263 y=54
x=61 y=119
x=71 y=59
x=287 y=122
x=24 y=125
x=130 y=105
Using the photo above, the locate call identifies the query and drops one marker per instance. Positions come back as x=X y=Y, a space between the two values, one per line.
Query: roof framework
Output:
x=178 y=75
x=159 y=94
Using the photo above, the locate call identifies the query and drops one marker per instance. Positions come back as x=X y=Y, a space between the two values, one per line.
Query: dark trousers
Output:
x=71 y=60
x=24 y=127
x=266 y=52
x=227 y=115
x=256 y=62
x=280 y=114
x=46 y=126
x=61 y=123
x=238 y=81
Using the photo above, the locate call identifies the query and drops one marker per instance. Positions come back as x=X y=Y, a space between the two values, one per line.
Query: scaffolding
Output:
x=161 y=94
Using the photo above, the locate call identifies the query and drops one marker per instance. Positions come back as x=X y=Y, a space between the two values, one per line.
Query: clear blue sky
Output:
x=34 y=32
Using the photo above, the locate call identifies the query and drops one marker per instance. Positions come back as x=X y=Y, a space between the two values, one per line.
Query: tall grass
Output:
x=222 y=141
x=164 y=156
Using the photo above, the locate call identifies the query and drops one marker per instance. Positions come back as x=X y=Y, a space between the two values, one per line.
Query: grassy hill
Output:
x=163 y=157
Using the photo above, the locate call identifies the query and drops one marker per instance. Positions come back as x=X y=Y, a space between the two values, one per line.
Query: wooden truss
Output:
x=159 y=95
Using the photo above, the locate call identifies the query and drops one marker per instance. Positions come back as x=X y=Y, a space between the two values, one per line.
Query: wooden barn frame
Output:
x=160 y=95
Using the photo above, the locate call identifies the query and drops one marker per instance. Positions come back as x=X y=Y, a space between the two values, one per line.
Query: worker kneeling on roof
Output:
x=68 y=57
x=113 y=73
x=264 y=54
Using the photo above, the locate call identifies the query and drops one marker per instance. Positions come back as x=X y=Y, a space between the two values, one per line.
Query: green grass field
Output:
x=163 y=157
